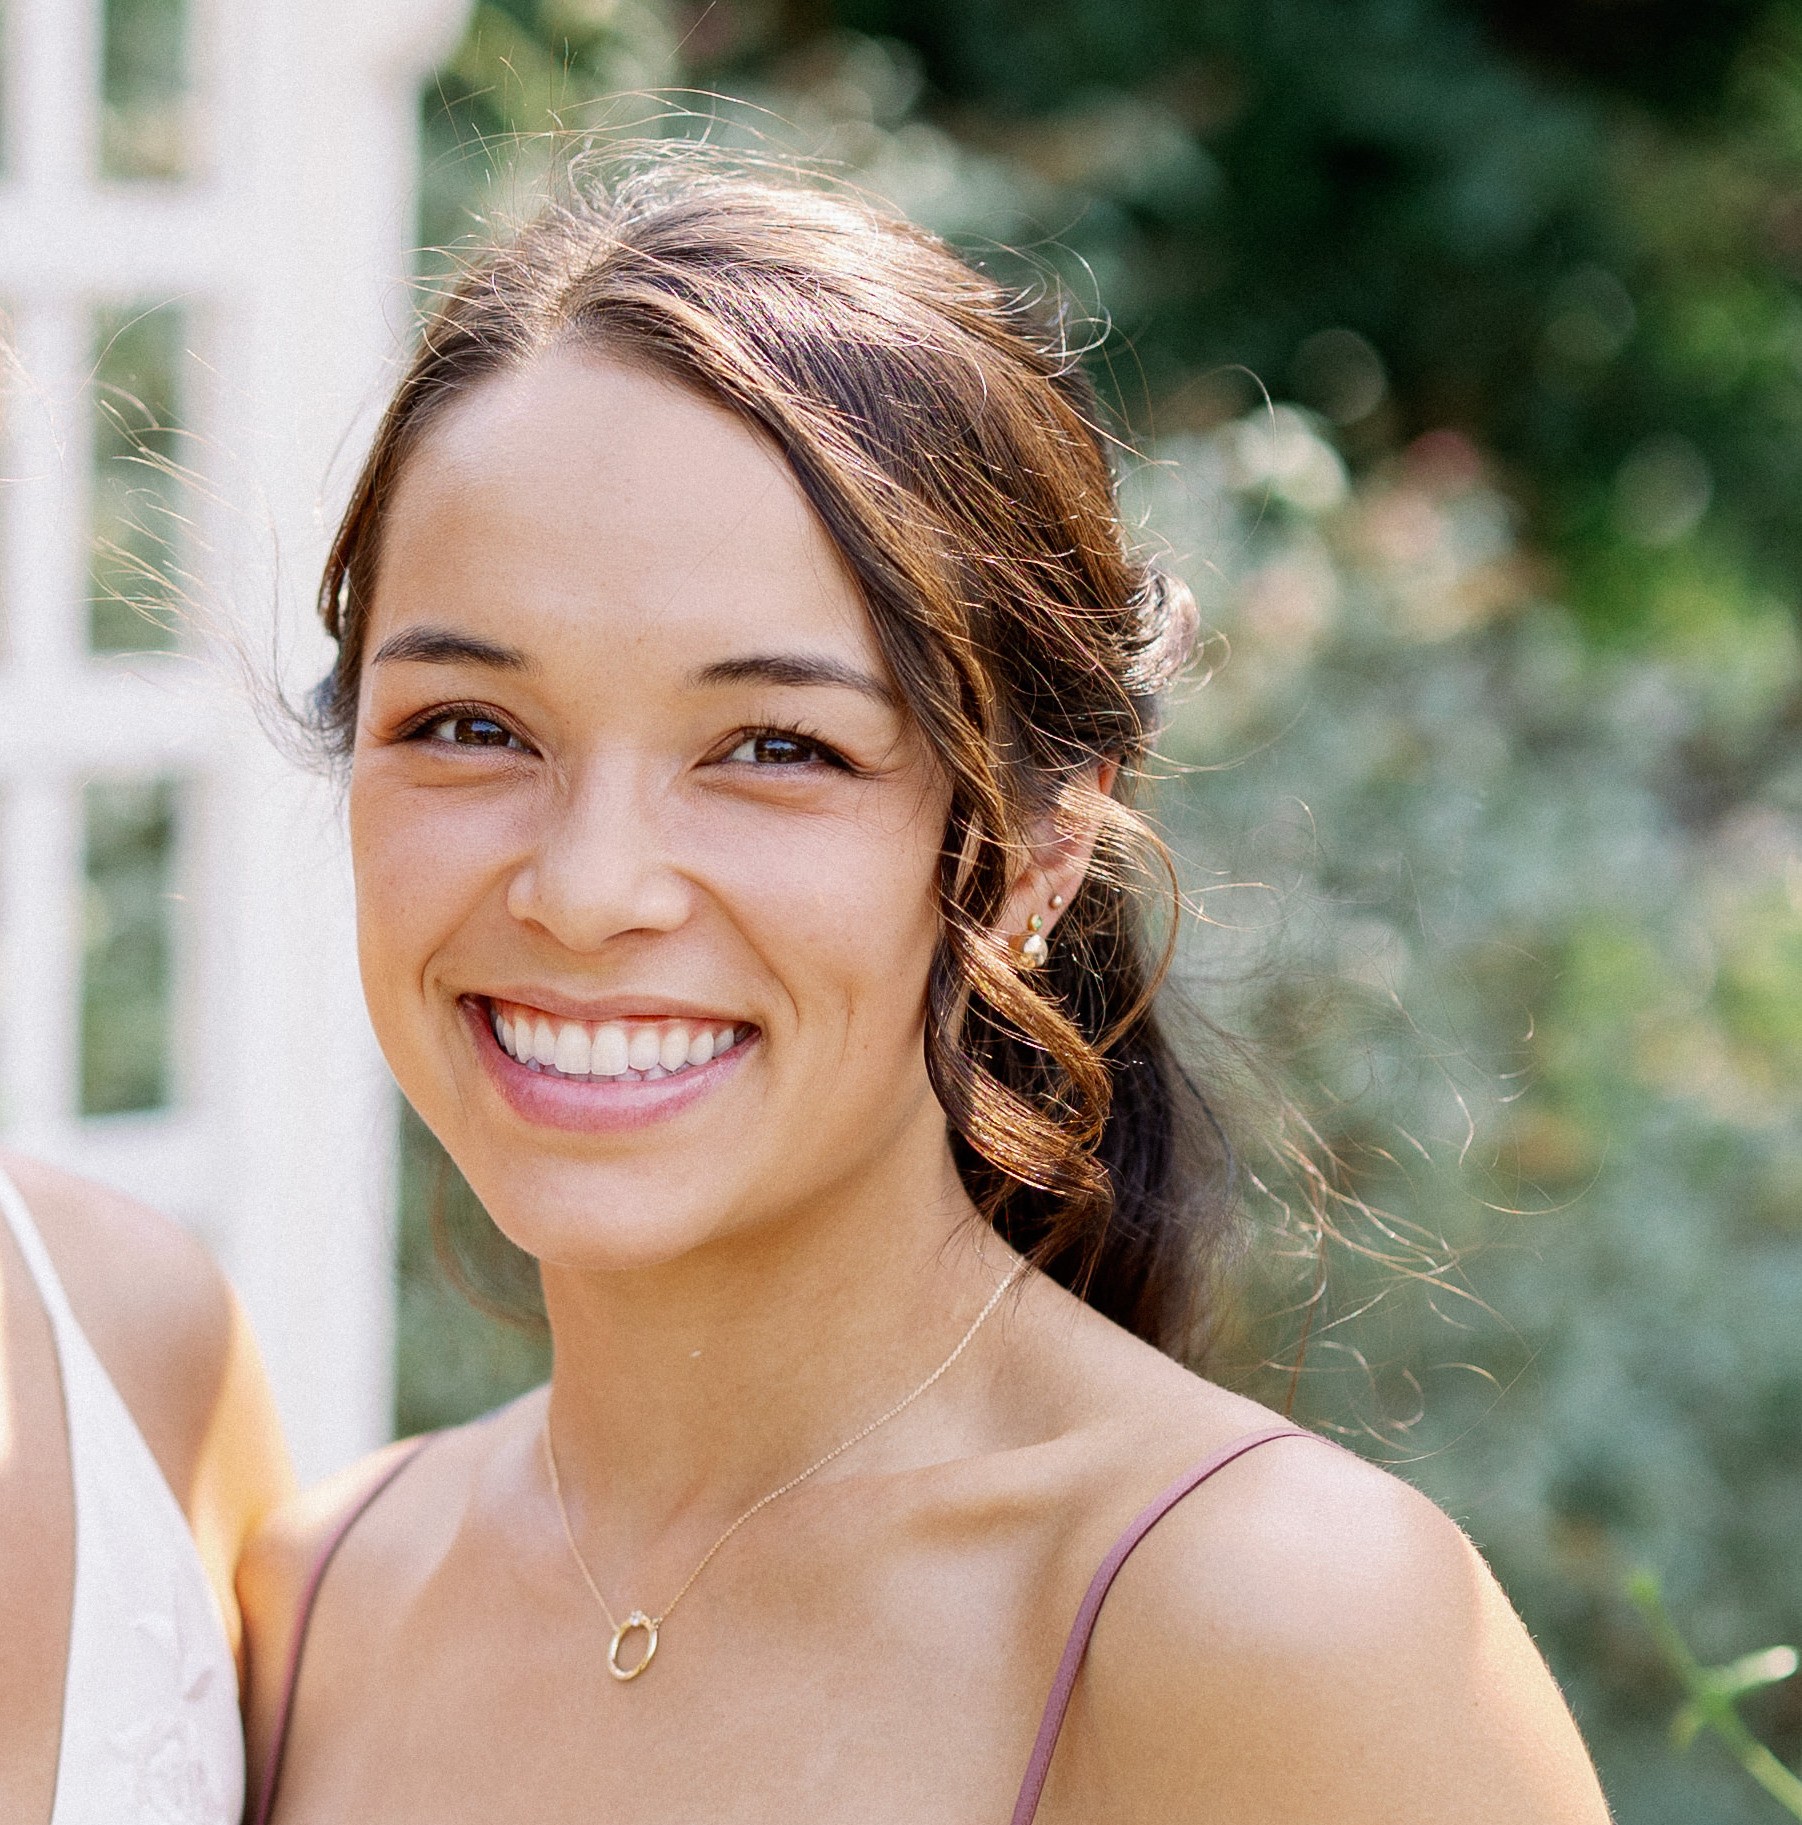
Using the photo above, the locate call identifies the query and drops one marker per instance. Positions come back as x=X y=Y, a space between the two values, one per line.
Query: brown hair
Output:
x=955 y=452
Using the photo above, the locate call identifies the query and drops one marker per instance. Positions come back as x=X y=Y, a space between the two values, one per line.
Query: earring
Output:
x=1033 y=948
x=1057 y=902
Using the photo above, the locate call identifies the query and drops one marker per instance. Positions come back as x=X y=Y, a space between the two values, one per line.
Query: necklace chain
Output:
x=637 y=1619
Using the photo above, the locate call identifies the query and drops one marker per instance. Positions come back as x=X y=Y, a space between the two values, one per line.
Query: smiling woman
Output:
x=743 y=677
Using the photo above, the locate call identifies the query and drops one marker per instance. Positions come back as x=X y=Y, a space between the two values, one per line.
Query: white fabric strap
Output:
x=150 y=1732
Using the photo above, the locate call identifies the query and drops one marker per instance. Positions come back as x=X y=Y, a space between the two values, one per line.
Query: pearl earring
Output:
x=1033 y=948
x=1057 y=902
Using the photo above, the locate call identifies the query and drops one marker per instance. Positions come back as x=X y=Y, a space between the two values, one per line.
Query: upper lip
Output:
x=597 y=1010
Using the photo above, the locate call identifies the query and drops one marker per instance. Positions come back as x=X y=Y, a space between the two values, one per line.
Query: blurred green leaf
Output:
x=1713 y=1692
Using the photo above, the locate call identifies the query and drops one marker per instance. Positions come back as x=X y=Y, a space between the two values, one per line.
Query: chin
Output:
x=605 y=1222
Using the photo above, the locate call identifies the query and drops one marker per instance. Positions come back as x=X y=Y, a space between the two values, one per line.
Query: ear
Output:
x=1062 y=847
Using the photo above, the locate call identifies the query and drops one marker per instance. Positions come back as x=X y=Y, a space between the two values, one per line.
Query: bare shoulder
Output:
x=174 y=1340
x=399 y=1520
x=290 y=1545
x=282 y=1554
x=381 y=1526
x=1306 y=1636
x=277 y=1573
x=152 y=1301
x=1302 y=1636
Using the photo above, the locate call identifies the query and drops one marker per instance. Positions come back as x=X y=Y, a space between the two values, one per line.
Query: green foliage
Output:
x=1582 y=273
x=457 y=1357
x=1542 y=1014
x=526 y=73
x=144 y=88
x=137 y=526
x=1713 y=1695
x=127 y=945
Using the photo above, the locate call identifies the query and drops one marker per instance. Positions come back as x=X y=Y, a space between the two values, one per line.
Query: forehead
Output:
x=582 y=498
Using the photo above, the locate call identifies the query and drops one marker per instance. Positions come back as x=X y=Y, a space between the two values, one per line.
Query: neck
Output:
x=684 y=1392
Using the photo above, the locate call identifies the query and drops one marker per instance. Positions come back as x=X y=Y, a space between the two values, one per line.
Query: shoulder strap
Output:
x=303 y=1618
x=107 y=1448
x=63 y=1322
x=1052 y=1724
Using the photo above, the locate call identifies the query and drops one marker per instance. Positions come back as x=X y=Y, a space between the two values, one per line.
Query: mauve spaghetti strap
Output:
x=309 y=1596
x=1052 y=1724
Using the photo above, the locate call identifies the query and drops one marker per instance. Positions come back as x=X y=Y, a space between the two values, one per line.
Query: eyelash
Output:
x=419 y=728
x=825 y=754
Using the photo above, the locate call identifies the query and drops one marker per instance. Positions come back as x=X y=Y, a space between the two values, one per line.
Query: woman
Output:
x=742 y=674
x=138 y=1447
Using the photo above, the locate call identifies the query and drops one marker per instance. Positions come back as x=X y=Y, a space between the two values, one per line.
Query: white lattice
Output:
x=285 y=250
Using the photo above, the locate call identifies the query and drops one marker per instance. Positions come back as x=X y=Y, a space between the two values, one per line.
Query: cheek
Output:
x=421 y=864
x=845 y=918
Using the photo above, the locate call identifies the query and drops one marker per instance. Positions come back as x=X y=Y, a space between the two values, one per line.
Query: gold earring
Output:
x=1033 y=948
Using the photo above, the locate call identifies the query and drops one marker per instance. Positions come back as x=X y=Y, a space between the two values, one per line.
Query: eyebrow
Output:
x=793 y=669
x=444 y=646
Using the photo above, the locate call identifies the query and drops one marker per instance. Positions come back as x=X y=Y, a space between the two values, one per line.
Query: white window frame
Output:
x=288 y=248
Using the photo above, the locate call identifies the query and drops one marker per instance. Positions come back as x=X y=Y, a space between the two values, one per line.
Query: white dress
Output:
x=150 y=1732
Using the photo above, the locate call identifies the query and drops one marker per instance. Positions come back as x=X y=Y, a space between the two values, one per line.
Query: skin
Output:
x=171 y=1335
x=741 y=1281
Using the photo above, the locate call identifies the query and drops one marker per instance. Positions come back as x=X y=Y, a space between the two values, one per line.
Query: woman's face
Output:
x=645 y=841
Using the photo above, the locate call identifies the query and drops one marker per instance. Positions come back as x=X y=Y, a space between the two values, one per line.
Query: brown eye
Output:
x=768 y=748
x=470 y=731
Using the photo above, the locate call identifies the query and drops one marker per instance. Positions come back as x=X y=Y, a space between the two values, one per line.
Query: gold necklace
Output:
x=637 y=1621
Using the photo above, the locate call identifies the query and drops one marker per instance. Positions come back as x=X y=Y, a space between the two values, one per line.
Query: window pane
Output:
x=136 y=546
x=144 y=97
x=127 y=945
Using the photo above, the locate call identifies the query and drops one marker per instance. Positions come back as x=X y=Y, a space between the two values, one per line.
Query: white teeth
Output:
x=644 y=1052
x=609 y=1051
x=573 y=1050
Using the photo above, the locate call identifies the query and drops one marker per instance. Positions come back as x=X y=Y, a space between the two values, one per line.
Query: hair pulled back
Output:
x=954 y=450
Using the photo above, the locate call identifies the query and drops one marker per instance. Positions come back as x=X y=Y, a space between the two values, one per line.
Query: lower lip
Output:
x=595 y=1105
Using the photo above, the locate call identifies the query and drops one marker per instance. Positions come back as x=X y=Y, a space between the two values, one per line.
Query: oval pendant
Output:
x=637 y=1620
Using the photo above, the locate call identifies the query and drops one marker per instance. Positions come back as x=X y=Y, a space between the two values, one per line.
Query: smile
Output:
x=633 y=1051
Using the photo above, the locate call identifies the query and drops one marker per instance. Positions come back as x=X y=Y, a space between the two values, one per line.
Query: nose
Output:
x=600 y=866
